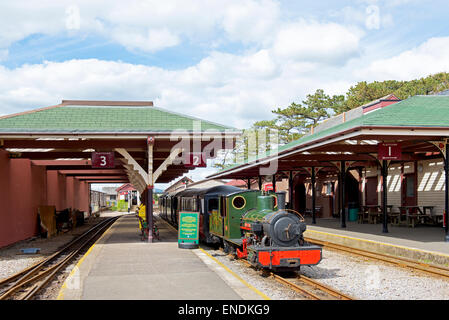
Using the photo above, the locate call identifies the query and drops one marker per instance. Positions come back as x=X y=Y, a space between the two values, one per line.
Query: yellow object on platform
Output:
x=142 y=215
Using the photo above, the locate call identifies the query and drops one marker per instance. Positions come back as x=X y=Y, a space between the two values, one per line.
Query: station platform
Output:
x=422 y=243
x=119 y=266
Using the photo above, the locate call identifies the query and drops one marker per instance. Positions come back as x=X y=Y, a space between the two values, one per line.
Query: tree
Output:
x=295 y=120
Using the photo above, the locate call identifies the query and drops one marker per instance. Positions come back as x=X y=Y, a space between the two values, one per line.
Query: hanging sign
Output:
x=188 y=231
x=194 y=160
x=103 y=160
x=389 y=151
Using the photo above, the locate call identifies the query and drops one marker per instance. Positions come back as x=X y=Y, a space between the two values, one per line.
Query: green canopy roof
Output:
x=101 y=119
x=417 y=111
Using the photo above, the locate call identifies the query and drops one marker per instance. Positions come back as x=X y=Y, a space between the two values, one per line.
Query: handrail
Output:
x=301 y=218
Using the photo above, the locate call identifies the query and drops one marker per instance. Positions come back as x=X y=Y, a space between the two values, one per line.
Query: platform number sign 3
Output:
x=102 y=159
x=194 y=160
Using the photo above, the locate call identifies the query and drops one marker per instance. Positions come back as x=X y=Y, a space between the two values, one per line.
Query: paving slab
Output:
x=121 y=266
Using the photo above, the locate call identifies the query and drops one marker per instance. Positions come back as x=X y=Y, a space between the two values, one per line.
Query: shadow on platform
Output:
x=421 y=233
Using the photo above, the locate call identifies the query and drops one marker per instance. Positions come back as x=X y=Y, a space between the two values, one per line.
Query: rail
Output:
x=309 y=287
x=32 y=279
x=398 y=261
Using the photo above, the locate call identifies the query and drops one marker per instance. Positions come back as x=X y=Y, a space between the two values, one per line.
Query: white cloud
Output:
x=234 y=90
x=430 y=57
x=314 y=41
x=151 y=41
x=251 y=21
x=146 y=25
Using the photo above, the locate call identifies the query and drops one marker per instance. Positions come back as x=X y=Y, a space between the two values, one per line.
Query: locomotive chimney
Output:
x=281 y=199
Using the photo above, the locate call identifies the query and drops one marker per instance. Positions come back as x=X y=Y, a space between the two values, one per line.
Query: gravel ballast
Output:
x=13 y=261
x=358 y=277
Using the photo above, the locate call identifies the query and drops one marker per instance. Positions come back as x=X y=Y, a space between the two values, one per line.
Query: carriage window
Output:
x=238 y=202
x=213 y=204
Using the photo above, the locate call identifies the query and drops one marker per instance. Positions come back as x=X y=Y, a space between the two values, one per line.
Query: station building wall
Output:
x=56 y=190
x=429 y=183
x=23 y=188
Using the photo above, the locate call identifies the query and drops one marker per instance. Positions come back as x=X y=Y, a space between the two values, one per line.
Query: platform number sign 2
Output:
x=194 y=160
x=103 y=159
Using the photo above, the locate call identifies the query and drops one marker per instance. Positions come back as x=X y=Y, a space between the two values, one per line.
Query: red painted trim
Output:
x=309 y=257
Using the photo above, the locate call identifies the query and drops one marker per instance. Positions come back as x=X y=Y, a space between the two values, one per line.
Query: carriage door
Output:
x=215 y=221
x=223 y=214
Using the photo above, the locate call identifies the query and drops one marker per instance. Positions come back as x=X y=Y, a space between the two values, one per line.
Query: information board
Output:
x=188 y=230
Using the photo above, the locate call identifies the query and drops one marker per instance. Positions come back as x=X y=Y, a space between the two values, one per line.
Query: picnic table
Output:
x=372 y=213
x=415 y=215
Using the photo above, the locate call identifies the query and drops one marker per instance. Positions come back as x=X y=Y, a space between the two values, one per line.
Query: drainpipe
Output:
x=313 y=197
x=446 y=196
x=342 y=191
x=384 y=195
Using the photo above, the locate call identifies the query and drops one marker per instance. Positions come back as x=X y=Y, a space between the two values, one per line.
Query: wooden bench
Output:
x=317 y=211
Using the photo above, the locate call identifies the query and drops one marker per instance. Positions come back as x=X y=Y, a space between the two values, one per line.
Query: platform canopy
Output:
x=419 y=124
x=144 y=139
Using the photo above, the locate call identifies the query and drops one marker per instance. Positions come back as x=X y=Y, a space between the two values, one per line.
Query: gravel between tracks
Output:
x=367 y=279
x=270 y=287
x=358 y=277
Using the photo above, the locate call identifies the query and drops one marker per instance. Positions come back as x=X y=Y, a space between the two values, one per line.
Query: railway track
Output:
x=397 y=261
x=308 y=287
x=311 y=288
x=25 y=284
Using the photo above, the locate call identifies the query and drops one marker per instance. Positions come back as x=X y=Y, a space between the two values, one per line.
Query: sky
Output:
x=228 y=61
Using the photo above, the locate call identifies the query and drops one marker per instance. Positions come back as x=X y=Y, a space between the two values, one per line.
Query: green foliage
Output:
x=122 y=205
x=295 y=120
x=364 y=92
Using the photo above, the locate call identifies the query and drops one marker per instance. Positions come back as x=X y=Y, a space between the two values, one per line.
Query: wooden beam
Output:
x=166 y=163
x=107 y=181
x=136 y=167
x=100 y=177
x=93 y=171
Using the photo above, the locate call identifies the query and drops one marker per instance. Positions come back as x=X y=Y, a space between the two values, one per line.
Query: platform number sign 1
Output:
x=389 y=151
x=103 y=160
x=194 y=160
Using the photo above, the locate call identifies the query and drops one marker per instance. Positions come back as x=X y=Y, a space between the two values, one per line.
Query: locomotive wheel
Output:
x=229 y=249
x=226 y=247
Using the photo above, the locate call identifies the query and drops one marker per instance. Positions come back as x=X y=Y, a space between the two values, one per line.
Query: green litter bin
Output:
x=353 y=213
